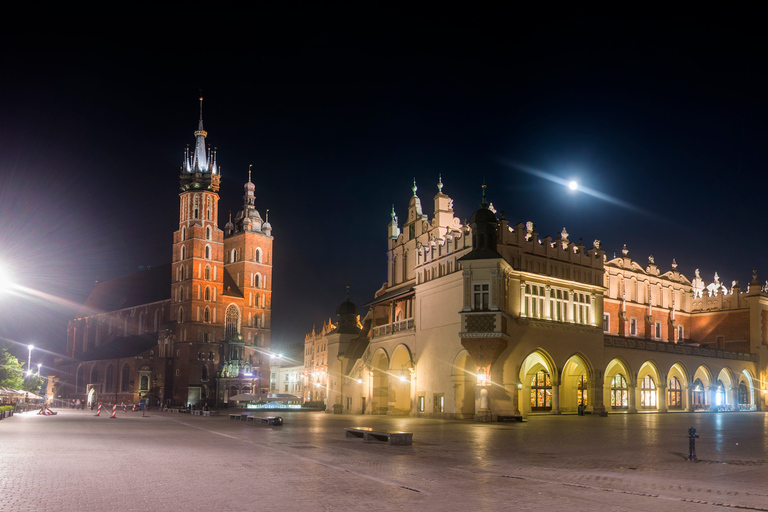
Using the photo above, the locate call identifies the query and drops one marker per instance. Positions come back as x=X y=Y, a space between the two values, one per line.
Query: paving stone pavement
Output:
x=168 y=461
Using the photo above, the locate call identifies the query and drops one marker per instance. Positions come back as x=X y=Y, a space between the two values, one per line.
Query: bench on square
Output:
x=240 y=416
x=210 y=413
x=368 y=434
x=509 y=418
x=275 y=421
x=197 y=413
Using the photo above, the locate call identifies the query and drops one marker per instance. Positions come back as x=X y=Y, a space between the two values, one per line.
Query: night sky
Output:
x=338 y=112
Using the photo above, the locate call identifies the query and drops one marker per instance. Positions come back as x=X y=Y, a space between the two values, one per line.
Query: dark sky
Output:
x=338 y=111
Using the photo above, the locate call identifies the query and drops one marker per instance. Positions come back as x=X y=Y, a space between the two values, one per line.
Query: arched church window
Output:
x=208 y=233
x=94 y=375
x=207 y=315
x=180 y=315
x=232 y=321
x=144 y=383
x=207 y=252
x=183 y=252
x=184 y=233
x=204 y=375
x=257 y=256
x=648 y=393
x=208 y=293
x=619 y=394
x=125 y=378
x=109 y=385
x=208 y=272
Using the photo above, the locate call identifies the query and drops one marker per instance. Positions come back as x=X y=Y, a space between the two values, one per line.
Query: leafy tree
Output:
x=11 y=370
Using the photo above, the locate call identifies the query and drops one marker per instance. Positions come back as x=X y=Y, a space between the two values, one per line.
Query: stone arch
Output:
x=619 y=393
x=677 y=386
x=380 y=382
x=701 y=382
x=575 y=379
x=726 y=389
x=538 y=376
x=464 y=385
x=745 y=393
x=649 y=381
x=401 y=371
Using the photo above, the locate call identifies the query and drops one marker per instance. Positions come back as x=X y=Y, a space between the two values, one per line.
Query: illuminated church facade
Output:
x=192 y=332
x=489 y=320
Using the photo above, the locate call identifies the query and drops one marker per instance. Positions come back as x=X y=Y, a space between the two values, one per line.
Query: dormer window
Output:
x=481 y=296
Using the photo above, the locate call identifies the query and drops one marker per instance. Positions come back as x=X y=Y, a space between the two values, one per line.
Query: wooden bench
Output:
x=240 y=416
x=275 y=421
x=368 y=434
x=209 y=413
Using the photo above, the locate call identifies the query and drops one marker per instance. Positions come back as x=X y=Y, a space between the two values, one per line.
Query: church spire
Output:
x=200 y=170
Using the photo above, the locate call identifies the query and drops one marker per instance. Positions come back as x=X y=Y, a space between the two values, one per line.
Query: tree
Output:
x=11 y=371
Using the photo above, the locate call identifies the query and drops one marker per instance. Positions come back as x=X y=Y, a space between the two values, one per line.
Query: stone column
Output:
x=597 y=400
x=555 y=398
x=733 y=398
x=662 y=391
x=547 y=303
x=522 y=299
x=689 y=397
x=632 y=398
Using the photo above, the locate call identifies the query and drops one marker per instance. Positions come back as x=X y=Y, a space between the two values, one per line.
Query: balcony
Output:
x=395 y=327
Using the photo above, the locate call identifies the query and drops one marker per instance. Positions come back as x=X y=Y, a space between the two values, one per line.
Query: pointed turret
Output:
x=484 y=226
x=394 y=230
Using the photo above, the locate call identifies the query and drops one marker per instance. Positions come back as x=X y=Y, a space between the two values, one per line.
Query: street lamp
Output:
x=38 y=368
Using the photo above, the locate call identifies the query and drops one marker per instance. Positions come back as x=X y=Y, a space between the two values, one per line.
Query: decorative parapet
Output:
x=403 y=325
x=675 y=348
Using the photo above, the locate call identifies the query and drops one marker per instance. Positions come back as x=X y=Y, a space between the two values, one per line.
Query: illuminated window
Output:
x=648 y=393
x=420 y=403
x=541 y=391
x=698 y=396
x=581 y=391
x=619 y=392
x=534 y=301
x=144 y=383
x=481 y=296
x=720 y=399
x=558 y=305
x=439 y=402
x=581 y=308
x=743 y=394
x=232 y=321
x=674 y=394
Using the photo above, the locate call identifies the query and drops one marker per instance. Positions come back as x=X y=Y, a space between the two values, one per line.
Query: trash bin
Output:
x=581 y=409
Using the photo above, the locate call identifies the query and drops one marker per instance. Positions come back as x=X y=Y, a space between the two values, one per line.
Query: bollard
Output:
x=114 y=411
x=124 y=407
x=692 y=435
x=98 y=411
x=134 y=408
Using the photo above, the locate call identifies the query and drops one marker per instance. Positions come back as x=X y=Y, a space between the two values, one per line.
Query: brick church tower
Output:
x=220 y=290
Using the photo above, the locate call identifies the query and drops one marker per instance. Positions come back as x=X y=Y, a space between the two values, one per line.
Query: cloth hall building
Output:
x=488 y=320
x=191 y=332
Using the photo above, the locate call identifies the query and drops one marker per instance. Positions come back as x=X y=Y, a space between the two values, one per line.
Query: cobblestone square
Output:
x=76 y=461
